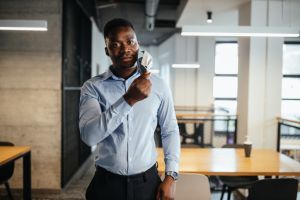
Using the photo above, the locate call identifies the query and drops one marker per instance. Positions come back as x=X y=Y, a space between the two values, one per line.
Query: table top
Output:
x=8 y=153
x=190 y=121
x=202 y=115
x=232 y=162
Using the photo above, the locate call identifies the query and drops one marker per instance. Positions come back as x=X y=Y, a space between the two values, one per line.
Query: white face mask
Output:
x=144 y=61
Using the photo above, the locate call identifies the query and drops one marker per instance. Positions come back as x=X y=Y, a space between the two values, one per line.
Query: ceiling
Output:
x=223 y=12
x=170 y=15
x=167 y=14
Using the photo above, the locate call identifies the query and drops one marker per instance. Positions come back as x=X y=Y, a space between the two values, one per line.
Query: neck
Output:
x=123 y=72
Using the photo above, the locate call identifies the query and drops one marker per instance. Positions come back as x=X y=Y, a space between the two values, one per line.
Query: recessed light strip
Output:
x=185 y=65
x=240 y=31
x=23 y=25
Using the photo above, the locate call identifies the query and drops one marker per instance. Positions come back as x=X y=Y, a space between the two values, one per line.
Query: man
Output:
x=119 y=111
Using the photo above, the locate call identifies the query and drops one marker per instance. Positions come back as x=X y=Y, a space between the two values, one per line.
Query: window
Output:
x=290 y=106
x=225 y=82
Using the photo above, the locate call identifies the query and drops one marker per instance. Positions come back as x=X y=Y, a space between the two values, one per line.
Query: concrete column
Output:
x=259 y=85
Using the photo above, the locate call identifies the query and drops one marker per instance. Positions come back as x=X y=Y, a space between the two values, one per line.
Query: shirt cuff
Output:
x=122 y=107
x=172 y=166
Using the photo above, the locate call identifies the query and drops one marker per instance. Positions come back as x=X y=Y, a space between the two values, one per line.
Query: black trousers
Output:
x=109 y=186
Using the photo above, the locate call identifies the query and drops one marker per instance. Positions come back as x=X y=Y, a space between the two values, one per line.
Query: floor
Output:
x=76 y=190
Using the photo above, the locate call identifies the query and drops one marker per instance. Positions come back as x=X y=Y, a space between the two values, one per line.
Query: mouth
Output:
x=126 y=58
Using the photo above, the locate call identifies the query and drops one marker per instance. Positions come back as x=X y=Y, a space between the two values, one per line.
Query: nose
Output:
x=125 y=48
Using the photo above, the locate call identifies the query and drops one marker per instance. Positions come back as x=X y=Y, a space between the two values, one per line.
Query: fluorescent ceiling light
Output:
x=185 y=65
x=240 y=31
x=23 y=25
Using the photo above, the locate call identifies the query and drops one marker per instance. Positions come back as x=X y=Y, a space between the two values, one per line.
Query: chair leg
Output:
x=229 y=193
x=8 y=191
x=223 y=191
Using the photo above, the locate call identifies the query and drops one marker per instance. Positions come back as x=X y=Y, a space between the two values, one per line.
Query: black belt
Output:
x=143 y=175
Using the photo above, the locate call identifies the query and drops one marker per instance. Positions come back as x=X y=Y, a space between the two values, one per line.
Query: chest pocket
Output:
x=148 y=107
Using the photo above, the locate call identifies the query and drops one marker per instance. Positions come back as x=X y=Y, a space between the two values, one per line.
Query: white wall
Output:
x=165 y=57
x=100 y=62
x=190 y=87
x=260 y=63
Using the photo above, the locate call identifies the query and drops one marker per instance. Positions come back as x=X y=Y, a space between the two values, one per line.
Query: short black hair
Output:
x=115 y=23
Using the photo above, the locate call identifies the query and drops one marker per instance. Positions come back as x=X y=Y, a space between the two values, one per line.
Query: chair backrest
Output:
x=182 y=128
x=192 y=187
x=274 y=189
x=199 y=130
x=7 y=170
x=237 y=146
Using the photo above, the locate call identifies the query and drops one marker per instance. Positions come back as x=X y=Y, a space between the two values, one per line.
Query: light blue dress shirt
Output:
x=124 y=133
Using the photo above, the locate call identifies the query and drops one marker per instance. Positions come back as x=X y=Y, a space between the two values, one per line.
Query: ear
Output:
x=106 y=51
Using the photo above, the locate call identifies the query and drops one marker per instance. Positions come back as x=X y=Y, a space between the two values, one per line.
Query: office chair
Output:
x=6 y=172
x=197 y=137
x=183 y=133
x=192 y=187
x=274 y=189
x=231 y=183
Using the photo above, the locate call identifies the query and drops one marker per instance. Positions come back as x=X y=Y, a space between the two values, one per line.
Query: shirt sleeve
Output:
x=94 y=124
x=169 y=132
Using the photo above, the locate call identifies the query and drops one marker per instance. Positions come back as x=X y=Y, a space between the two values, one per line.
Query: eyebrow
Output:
x=128 y=38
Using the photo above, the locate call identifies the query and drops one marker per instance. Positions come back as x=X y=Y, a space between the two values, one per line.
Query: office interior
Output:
x=231 y=88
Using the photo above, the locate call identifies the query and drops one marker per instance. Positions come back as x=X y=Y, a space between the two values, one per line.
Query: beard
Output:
x=126 y=61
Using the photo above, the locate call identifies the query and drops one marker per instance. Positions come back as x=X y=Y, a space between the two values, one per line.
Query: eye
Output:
x=131 y=42
x=115 y=45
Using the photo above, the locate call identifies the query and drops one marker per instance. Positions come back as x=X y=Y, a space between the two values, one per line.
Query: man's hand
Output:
x=139 y=89
x=166 y=190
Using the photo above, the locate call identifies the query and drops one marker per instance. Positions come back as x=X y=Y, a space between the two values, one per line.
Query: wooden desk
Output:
x=203 y=115
x=232 y=162
x=10 y=154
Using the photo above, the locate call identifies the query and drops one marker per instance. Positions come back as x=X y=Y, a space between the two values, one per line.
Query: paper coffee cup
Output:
x=247 y=148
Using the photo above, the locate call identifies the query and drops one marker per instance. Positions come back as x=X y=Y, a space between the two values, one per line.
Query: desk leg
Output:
x=27 y=176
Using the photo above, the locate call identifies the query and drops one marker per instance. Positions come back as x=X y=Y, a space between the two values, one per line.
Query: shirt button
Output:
x=130 y=139
x=129 y=159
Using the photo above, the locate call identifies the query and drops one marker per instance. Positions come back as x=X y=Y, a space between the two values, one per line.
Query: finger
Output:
x=146 y=75
x=158 y=195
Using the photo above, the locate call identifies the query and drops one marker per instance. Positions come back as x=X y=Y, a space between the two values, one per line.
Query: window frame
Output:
x=225 y=75
x=218 y=132
x=296 y=76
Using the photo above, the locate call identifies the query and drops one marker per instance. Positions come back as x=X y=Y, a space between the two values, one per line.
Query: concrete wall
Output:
x=30 y=88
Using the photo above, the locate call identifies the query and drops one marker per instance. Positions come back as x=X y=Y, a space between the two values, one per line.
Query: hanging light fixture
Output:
x=209 y=17
x=23 y=25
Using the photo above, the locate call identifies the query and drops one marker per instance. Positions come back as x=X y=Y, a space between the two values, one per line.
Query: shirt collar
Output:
x=108 y=74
